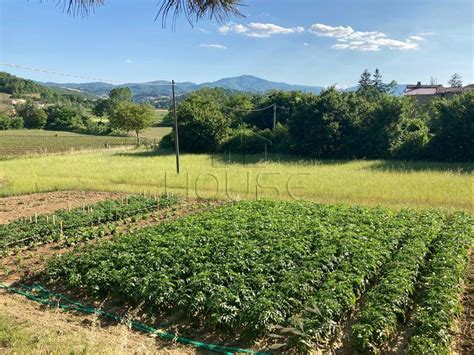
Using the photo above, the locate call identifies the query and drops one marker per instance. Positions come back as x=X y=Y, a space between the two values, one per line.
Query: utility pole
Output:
x=274 y=116
x=176 y=135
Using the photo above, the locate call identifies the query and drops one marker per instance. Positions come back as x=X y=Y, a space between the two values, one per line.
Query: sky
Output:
x=308 y=42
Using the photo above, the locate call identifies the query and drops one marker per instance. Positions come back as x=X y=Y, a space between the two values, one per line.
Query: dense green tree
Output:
x=7 y=122
x=202 y=124
x=452 y=127
x=120 y=94
x=65 y=118
x=130 y=117
x=33 y=116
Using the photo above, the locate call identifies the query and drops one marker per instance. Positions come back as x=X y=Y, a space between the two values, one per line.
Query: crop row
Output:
x=440 y=305
x=86 y=221
x=249 y=266
x=386 y=303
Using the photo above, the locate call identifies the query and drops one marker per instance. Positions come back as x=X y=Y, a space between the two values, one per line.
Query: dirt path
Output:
x=464 y=342
x=27 y=205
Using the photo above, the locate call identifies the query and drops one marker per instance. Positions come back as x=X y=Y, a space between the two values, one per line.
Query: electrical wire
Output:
x=75 y=76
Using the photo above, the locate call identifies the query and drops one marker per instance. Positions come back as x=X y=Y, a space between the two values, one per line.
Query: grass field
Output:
x=25 y=142
x=378 y=182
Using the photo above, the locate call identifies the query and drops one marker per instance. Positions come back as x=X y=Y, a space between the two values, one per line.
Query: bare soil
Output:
x=27 y=205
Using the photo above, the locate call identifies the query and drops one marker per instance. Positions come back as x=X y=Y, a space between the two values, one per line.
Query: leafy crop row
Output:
x=77 y=223
x=440 y=302
x=248 y=266
x=319 y=322
x=386 y=303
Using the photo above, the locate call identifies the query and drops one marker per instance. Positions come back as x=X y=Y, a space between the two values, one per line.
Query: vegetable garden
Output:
x=289 y=275
x=83 y=223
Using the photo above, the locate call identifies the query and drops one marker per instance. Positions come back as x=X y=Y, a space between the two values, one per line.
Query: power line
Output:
x=73 y=75
x=242 y=110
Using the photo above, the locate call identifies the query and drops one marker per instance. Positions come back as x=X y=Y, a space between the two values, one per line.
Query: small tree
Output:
x=365 y=81
x=33 y=116
x=120 y=94
x=455 y=81
x=128 y=116
x=377 y=80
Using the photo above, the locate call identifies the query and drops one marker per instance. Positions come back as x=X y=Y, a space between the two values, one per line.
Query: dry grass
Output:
x=27 y=328
x=389 y=183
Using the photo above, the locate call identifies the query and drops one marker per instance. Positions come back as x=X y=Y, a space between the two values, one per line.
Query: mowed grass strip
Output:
x=377 y=182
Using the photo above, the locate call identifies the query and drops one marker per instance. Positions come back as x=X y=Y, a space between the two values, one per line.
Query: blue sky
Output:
x=311 y=42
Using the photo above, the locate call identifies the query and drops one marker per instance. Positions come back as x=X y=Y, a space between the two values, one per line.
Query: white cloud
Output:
x=128 y=61
x=259 y=30
x=416 y=38
x=203 y=30
x=348 y=38
x=305 y=44
x=217 y=46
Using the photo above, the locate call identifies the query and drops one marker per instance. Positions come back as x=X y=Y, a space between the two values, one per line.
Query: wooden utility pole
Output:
x=274 y=116
x=176 y=135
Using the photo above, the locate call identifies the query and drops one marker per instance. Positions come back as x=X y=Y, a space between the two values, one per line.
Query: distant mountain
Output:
x=250 y=83
x=161 y=89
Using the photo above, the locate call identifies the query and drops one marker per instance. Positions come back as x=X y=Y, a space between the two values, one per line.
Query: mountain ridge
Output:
x=157 y=89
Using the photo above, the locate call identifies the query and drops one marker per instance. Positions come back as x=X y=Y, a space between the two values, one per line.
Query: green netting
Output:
x=40 y=294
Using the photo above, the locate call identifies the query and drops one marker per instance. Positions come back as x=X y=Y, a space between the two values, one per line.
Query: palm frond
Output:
x=193 y=10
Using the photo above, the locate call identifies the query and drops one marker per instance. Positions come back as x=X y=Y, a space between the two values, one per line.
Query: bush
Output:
x=65 y=118
x=410 y=140
x=452 y=128
x=202 y=126
x=10 y=122
x=33 y=116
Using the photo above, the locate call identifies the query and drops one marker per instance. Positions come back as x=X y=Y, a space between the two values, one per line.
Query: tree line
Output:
x=370 y=123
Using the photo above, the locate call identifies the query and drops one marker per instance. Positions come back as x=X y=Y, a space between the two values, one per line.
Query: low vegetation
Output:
x=379 y=182
x=294 y=269
x=86 y=222
x=29 y=142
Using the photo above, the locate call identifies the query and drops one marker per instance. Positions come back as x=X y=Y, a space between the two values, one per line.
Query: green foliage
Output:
x=452 y=128
x=256 y=267
x=440 y=303
x=19 y=87
x=385 y=305
x=128 y=116
x=201 y=123
x=120 y=94
x=65 y=118
x=409 y=139
x=33 y=116
x=77 y=224
x=10 y=122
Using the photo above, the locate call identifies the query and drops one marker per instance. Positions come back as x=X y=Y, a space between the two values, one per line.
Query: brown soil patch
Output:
x=30 y=261
x=27 y=205
x=464 y=342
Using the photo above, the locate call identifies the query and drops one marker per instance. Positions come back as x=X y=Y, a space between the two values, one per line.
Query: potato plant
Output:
x=292 y=269
x=79 y=223
x=440 y=304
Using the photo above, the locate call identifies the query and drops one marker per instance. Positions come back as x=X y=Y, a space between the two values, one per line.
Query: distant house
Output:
x=15 y=102
x=424 y=93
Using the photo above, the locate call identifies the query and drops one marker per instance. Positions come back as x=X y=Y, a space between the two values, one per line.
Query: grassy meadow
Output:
x=26 y=142
x=378 y=182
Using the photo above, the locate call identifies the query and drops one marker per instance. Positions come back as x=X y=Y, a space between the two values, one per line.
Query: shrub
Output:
x=33 y=116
